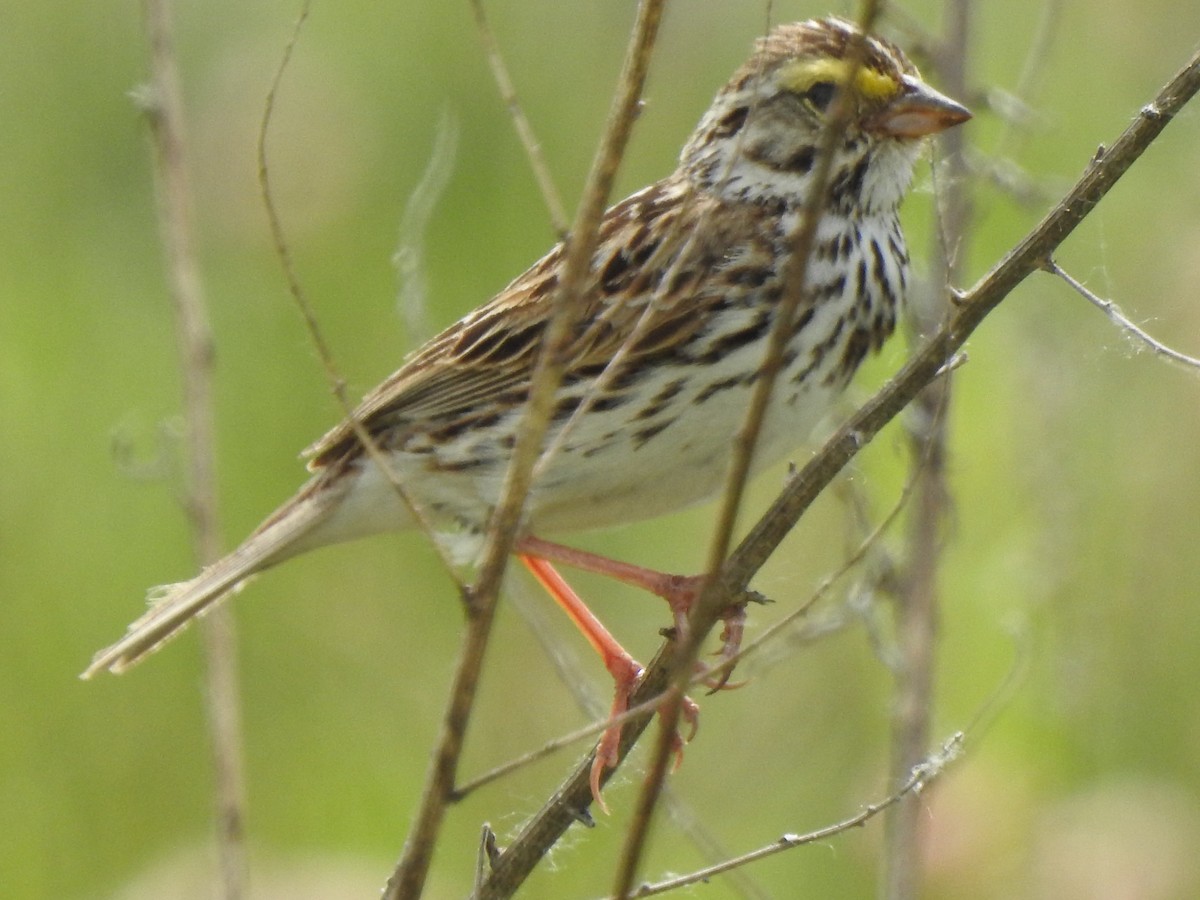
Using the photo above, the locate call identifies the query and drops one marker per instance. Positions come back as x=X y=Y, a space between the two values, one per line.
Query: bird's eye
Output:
x=820 y=95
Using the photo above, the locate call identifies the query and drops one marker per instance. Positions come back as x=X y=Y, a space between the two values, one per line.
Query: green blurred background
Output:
x=1076 y=472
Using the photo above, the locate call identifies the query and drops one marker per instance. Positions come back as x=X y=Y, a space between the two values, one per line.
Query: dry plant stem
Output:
x=794 y=276
x=781 y=627
x=916 y=609
x=1049 y=20
x=738 y=880
x=533 y=149
x=969 y=310
x=408 y=259
x=682 y=815
x=570 y=802
x=601 y=722
x=296 y=290
x=1122 y=321
x=713 y=598
x=165 y=113
x=921 y=775
x=408 y=879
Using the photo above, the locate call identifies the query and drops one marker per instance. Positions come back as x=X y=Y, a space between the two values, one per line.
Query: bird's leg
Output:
x=624 y=669
x=680 y=591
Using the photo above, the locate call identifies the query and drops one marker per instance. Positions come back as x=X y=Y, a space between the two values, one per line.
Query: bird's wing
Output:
x=493 y=350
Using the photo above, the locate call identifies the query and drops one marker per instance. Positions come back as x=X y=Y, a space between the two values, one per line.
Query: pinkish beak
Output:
x=918 y=111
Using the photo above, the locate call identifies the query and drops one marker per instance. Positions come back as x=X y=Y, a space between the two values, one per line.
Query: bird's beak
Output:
x=917 y=111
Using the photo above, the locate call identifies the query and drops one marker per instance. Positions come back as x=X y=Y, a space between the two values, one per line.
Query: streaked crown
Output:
x=758 y=141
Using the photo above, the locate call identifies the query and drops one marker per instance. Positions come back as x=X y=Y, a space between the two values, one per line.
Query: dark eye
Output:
x=820 y=95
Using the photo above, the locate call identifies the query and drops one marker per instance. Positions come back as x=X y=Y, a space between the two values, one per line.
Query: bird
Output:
x=682 y=292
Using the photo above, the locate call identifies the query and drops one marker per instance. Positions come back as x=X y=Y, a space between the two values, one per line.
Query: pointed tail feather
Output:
x=175 y=605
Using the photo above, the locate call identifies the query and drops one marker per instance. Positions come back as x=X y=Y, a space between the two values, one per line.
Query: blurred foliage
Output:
x=1075 y=471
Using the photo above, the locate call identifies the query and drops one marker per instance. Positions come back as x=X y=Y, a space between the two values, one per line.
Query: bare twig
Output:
x=409 y=257
x=486 y=852
x=739 y=880
x=712 y=600
x=786 y=625
x=165 y=113
x=920 y=776
x=1122 y=321
x=648 y=319
x=296 y=290
x=1049 y=19
x=409 y=876
x=793 y=296
x=916 y=607
x=533 y=149
x=569 y=802
x=681 y=814
x=933 y=357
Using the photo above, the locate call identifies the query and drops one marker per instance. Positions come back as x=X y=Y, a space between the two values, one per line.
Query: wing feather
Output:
x=493 y=350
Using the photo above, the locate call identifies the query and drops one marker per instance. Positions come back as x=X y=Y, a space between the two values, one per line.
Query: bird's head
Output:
x=760 y=139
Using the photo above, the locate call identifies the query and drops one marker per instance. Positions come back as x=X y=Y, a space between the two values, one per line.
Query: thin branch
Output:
x=1049 y=20
x=927 y=363
x=165 y=113
x=870 y=541
x=533 y=149
x=917 y=601
x=566 y=665
x=712 y=600
x=793 y=296
x=409 y=257
x=1122 y=321
x=283 y=252
x=615 y=366
x=921 y=775
x=739 y=881
x=486 y=852
x=409 y=877
x=570 y=801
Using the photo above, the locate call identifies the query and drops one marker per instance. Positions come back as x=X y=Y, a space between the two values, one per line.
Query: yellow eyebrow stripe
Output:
x=799 y=77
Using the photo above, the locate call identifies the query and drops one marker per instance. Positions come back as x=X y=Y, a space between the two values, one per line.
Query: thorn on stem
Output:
x=490 y=847
x=582 y=816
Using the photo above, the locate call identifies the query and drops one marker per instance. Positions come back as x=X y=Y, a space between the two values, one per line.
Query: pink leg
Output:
x=680 y=591
x=624 y=669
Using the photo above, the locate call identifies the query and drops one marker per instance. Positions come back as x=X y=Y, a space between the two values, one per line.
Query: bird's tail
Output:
x=175 y=605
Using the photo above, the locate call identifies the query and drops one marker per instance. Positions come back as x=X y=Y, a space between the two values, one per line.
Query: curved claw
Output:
x=718 y=681
x=749 y=596
x=607 y=756
x=690 y=713
x=608 y=749
x=731 y=642
x=625 y=672
x=722 y=682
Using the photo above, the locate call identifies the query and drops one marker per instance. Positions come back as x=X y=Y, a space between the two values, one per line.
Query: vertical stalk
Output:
x=408 y=878
x=917 y=604
x=164 y=111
